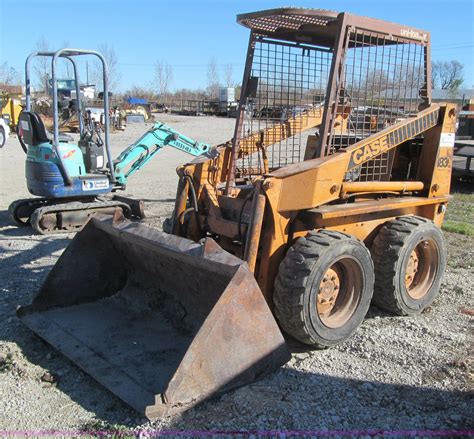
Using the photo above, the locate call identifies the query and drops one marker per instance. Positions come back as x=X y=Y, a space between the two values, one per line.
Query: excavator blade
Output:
x=161 y=321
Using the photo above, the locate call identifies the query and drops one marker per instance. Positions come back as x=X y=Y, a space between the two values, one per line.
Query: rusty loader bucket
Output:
x=161 y=321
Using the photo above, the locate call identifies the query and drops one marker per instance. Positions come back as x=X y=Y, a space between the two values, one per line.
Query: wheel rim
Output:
x=421 y=269
x=339 y=292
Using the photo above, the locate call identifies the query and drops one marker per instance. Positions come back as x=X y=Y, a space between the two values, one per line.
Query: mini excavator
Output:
x=70 y=180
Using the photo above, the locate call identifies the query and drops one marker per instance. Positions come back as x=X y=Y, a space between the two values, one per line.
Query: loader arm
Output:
x=137 y=155
x=300 y=122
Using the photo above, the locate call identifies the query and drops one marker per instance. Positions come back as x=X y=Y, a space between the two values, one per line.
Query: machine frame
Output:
x=316 y=193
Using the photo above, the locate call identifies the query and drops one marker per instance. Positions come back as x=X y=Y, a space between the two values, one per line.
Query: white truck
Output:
x=4 y=131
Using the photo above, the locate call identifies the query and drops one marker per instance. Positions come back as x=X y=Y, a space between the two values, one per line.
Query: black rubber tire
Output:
x=297 y=284
x=3 y=137
x=391 y=251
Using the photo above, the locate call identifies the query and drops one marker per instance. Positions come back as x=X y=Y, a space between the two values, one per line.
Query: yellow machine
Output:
x=10 y=105
x=329 y=197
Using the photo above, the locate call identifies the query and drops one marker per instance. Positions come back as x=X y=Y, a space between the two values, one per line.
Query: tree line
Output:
x=446 y=75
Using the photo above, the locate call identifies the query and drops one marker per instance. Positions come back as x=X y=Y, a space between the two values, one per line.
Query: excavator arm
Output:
x=137 y=155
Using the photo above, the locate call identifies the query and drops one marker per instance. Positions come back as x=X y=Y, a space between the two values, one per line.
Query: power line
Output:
x=453 y=48
x=178 y=65
x=436 y=46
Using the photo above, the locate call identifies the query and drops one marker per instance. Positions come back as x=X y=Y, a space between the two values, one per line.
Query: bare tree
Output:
x=163 y=78
x=145 y=92
x=8 y=75
x=376 y=80
x=213 y=83
x=42 y=67
x=407 y=76
x=187 y=94
x=113 y=73
x=448 y=75
x=228 y=75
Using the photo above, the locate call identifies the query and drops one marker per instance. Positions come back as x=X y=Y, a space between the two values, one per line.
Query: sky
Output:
x=187 y=34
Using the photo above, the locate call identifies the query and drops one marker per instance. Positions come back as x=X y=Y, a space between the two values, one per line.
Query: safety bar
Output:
x=68 y=54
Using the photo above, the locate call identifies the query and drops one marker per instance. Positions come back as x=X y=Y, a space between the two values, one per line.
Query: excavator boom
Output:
x=137 y=155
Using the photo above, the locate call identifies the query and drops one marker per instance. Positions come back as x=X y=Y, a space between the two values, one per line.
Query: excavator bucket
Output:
x=161 y=321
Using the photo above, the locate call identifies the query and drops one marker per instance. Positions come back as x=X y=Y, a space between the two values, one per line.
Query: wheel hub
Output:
x=421 y=269
x=339 y=292
x=328 y=291
x=412 y=268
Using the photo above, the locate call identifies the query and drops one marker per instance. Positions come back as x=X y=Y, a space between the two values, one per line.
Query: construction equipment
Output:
x=137 y=106
x=319 y=238
x=10 y=107
x=72 y=179
x=10 y=104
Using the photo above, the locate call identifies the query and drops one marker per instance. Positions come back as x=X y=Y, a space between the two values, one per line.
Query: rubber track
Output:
x=385 y=254
x=69 y=207
x=25 y=201
x=292 y=280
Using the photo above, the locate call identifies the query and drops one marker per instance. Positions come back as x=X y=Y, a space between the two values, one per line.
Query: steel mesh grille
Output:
x=293 y=21
x=383 y=82
x=288 y=102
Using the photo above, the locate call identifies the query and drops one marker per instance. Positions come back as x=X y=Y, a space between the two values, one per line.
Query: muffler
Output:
x=161 y=321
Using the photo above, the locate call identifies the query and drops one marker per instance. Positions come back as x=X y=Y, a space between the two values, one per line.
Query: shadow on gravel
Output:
x=21 y=278
x=158 y=200
x=14 y=230
x=20 y=272
x=296 y=400
x=288 y=400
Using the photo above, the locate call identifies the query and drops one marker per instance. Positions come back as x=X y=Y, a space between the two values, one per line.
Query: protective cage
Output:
x=337 y=77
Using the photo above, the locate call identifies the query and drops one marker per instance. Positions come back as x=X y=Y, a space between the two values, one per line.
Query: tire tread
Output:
x=292 y=278
x=386 y=251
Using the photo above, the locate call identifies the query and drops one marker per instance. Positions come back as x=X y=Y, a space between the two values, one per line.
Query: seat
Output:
x=33 y=131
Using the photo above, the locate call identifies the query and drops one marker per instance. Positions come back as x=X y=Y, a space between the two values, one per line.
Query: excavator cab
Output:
x=329 y=196
x=66 y=165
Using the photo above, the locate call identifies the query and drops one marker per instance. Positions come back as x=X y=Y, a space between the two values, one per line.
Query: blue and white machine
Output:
x=72 y=179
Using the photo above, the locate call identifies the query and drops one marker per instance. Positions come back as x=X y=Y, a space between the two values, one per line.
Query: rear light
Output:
x=46 y=156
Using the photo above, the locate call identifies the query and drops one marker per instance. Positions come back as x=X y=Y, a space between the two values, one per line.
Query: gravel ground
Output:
x=395 y=374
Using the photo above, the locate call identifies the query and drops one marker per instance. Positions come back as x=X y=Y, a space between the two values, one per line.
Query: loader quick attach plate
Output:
x=161 y=321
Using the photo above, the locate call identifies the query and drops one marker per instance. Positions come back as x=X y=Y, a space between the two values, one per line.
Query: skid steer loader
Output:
x=329 y=196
